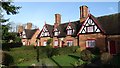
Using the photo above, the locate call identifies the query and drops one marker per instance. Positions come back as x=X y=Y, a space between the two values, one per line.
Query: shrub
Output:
x=5 y=47
x=94 y=50
x=7 y=59
x=106 y=57
x=80 y=63
x=78 y=50
x=31 y=47
x=86 y=55
x=67 y=50
x=49 y=41
x=48 y=51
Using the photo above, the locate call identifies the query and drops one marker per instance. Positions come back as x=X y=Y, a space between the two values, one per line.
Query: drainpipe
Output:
x=78 y=40
x=106 y=43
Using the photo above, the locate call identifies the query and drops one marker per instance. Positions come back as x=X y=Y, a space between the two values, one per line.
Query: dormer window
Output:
x=90 y=29
x=69 y=32
x=45 y=32
x=56 y=33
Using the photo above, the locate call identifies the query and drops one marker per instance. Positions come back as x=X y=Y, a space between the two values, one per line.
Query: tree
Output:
x=10 y=10
x=49 y=41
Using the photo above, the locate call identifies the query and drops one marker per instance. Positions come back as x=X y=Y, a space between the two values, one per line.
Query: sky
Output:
x=40 y=12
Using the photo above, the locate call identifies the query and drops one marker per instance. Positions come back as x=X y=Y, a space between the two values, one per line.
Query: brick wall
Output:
x=42 y=39
x=75 y=42
x=100 y=40
x=56 y=39
x=25 y=41
x=33 y=39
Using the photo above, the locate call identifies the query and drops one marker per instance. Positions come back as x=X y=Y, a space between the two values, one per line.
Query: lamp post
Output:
x=37 y=50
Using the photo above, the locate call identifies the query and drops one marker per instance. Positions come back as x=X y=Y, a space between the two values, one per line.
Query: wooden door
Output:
x=112 y=47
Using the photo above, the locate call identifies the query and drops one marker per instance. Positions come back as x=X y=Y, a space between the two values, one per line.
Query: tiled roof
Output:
x=110 y=24
x=50 y=29
x=62 y=28
x=29 y=33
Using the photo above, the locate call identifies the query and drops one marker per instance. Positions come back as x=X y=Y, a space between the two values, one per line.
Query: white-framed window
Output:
x=38 y=43
x=23 y=42
x=45 y=43
x=56 y=33
x=90 y=43
x=56 y=43
x=23 y=36
x=89 y=28
x=69 y=32
x=70 y=42
x=46 y=34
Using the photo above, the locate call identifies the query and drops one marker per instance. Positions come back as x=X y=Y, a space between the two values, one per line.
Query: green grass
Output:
x=48 y=62
x=64 y=60
x=26 y=56
x=22 y=55
x=28 y=63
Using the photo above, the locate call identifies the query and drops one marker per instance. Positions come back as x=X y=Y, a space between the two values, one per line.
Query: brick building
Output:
x=88 y=32
x=28 y=35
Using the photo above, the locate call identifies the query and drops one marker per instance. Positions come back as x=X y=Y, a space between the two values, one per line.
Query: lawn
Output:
x=64 y=60
x=23 y=55
x=27 y=56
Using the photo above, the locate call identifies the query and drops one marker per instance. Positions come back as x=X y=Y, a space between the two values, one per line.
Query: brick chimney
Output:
x=83 y=12
x=57 y=20
x=29 y=26
x=20 y=28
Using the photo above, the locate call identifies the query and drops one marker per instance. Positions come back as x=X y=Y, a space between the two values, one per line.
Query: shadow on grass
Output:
x=73 y=56
x=7 y=59
x=56 y=62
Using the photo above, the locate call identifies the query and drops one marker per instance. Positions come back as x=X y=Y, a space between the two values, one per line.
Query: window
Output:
x=90 y=21
x=46 y=34
x=69 y=42
x=56 y=43
x=69 y=32
x=90 y=29
x=28 y=43
x=24 y=36
x=56 y=33
x=44 y=43
x=38 y=43
x=23 y=42
x=90 y=43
